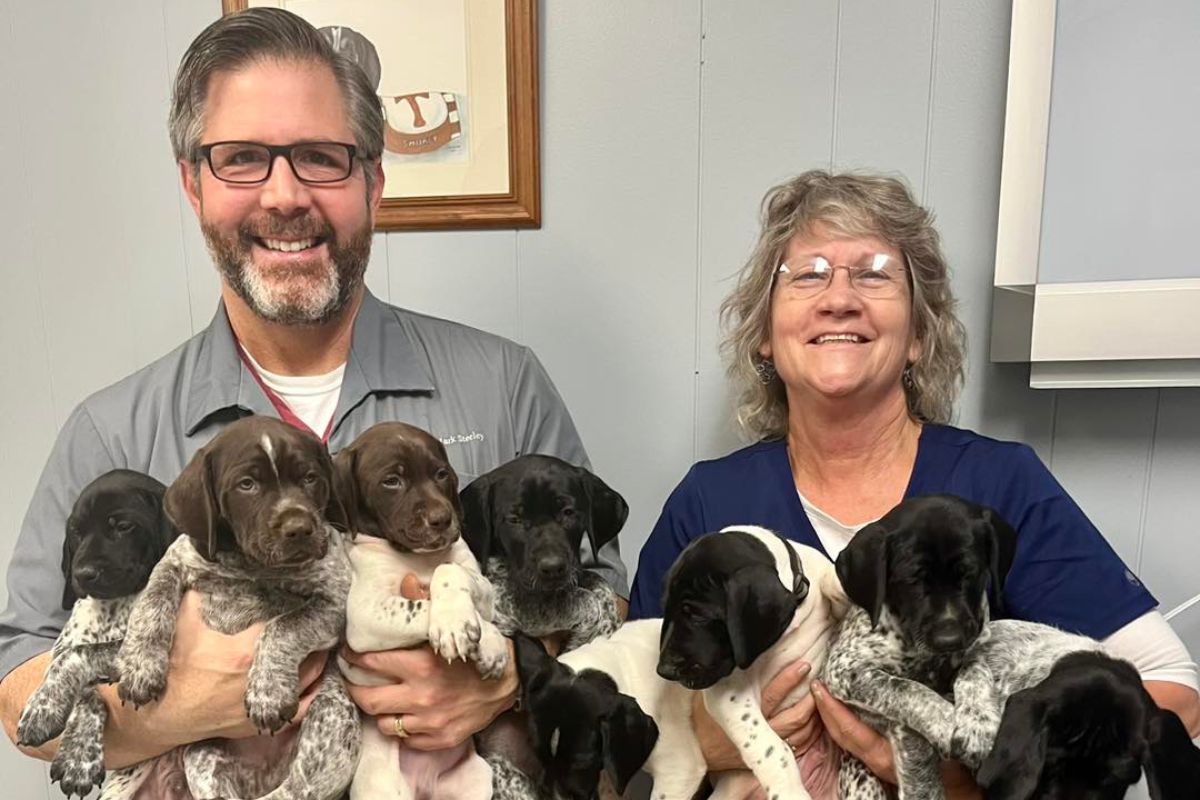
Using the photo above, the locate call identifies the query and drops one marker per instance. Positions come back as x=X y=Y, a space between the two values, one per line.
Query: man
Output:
x=279 y=141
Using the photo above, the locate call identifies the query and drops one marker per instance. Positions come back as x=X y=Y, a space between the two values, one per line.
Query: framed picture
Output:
x=458 y=83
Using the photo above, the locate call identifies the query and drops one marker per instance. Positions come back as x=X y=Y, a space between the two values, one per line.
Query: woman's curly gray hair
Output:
x=845 y=205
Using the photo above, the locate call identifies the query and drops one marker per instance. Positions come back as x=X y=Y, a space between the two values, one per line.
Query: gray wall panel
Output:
x=1102 y=449
x=1170 y=553
x=884 y=57
x=766 y=100
x=607 y=286
x=470 y=277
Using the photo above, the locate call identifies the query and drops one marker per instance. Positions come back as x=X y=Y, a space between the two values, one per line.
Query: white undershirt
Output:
x=1148 y=642
x=313 y=398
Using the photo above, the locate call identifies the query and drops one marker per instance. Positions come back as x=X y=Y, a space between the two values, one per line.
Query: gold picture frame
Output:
x=460 y=155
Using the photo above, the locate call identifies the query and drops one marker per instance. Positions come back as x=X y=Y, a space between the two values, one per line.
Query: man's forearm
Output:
x=127 y=740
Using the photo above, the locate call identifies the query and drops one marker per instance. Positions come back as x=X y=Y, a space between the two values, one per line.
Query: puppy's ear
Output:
x=862 y=569
x=167 y=532
x=345 y=490
x=628 y=735
x=191 y=503
x=1000 y=545
x=1014 y=767
x=758 y=610
x=476 y=499
x=68 y=557
x=1171 y=761
x=532 y=664
x=608 y=512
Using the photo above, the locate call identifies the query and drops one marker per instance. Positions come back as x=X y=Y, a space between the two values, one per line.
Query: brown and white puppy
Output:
x=257 y=546
x=400 y=497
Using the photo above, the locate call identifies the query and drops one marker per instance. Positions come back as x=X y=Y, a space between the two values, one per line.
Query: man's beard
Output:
x=308 y=292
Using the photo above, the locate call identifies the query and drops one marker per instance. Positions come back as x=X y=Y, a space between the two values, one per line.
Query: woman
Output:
x=842 y=335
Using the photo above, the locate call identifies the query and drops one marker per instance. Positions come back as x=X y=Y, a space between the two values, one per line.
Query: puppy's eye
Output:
x=392 y=482
x=513 y=519
x=442 y=474
x=124 y=526
x=310 y=478
x=687 y=609
x=568 y=513
x=247 y=484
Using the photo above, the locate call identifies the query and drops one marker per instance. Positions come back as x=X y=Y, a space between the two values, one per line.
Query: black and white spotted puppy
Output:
x=1041 y=713
x=258 y=549
x=116 y=533
x=920 y=577
x=526 y=521
x=400 y=496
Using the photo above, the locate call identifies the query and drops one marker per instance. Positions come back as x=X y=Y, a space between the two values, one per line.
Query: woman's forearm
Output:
x=1181 y=699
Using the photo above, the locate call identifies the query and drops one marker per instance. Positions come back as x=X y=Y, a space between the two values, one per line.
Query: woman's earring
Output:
x=906 y=378
x=765 y=370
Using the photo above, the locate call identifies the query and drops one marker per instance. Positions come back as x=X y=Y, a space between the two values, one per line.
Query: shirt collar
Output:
x=383 y=358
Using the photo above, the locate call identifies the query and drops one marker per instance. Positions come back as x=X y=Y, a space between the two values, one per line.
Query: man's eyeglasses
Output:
x=878 y=276
x=251 y=162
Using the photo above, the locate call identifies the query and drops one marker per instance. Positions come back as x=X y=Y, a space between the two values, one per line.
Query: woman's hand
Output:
x=797 y=725
x=440 y=704
x=855 y=736
x=859 y=739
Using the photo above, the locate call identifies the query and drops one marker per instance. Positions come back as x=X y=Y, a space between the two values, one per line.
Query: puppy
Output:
x=1087 y=729
x=740 y=605
x=116 y=533
x=401 y=502
x=258 y=548
x=920 y=577
x=525 y=522
x=589 y=738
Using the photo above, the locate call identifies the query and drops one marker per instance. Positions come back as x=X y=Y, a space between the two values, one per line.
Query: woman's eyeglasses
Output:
x=877 y=276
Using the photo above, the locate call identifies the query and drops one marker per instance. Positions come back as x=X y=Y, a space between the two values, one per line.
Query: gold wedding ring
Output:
x=398 y=728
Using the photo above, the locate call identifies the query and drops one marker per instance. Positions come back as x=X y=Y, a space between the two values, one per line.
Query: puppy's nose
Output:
x=947 y=637
x=296 y=526
x=669 y=668
x=552 y=567
x=438 y=518
x=87 y=573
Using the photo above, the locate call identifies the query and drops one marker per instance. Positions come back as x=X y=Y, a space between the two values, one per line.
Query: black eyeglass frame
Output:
x=204 y=152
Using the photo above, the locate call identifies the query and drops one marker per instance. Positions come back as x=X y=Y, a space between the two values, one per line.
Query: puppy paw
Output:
x=973 y=736
x=491 y=658
x=78 y=770
x=272 y=700
x=41 y=721
x=142 y=681
x=454 y=627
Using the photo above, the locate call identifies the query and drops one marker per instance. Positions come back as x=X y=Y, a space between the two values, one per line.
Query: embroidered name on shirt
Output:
x=462 y=438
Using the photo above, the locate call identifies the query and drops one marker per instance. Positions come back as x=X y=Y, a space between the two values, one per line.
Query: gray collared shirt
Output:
x=488 y=399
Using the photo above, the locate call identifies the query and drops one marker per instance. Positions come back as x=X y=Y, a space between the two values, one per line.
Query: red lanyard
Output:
x=285 y=412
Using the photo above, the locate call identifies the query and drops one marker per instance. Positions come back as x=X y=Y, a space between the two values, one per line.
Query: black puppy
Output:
x=525 y=522
x=921 y=576
x=1087 y=731
x=116 y=533
x=580 y=725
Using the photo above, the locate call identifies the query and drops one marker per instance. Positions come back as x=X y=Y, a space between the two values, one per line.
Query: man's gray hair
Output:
x=259 y=34
x=851 y=206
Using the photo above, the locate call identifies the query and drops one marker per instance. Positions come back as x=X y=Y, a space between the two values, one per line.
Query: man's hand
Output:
x=799 y=726
x=855 y=736
x=206 y=683
x=440 y=704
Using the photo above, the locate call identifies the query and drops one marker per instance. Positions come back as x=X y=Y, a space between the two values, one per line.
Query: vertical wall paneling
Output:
x=103 y=215
x=1102 y=448
x=469 y=277
x=608 y=284
x=1169 y=550
x=766 y=93
x=28 y=424
x=884 y=52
